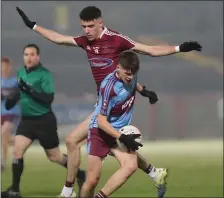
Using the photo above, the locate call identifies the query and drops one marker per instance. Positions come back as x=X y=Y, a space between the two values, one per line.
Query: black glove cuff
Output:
x=121 y=137
x=143 y=91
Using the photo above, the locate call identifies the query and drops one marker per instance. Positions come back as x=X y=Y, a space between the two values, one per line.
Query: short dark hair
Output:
x=129 y=61
x=32 y=46
x=90 y=13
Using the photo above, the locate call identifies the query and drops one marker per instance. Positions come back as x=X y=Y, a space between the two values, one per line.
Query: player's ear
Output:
x=101 y=22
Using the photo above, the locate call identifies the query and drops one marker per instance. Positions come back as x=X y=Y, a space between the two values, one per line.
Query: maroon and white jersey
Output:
x=103 y=52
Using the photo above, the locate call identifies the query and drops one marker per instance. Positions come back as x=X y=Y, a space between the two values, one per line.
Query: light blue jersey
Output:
x=116 y=101
x=8 y=85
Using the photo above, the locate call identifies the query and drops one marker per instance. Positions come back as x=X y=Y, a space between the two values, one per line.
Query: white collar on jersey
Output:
x=104 y=30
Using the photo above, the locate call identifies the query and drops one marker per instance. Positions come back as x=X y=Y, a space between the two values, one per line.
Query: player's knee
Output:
x=17 y=153
x=54 y=158
x=131 y=166
x=92 y=182
x=72 y=142
x=69 y=142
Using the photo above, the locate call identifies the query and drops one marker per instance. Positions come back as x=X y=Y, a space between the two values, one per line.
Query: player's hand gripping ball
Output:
x=128 y=130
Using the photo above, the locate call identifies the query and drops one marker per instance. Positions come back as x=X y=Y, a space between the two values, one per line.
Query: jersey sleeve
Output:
x=80 y=41
x=107 y=102
x=125 y=42
x=47 y=83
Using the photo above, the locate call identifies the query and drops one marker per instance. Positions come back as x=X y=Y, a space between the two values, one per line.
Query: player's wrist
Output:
x=177 y=49
x=141 y=88
x=34 y=27
x=120 y=137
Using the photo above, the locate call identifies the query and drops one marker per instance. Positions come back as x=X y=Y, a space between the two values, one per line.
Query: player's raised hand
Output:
x=190 y=46
x=152 y=96
x=129 y=141
x=26 y=20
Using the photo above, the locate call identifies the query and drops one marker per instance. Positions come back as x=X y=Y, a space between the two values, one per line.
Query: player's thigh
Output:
x=26 y=128
x=24 y=137
x=8 y=123
x=7 y=128
x=126 y=159
x=47 y=132
x=80 y=132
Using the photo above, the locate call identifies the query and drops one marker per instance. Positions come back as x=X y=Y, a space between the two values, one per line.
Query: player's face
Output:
x=125 y=75
x=6 y=68
x=30 y=57
x=92 y=29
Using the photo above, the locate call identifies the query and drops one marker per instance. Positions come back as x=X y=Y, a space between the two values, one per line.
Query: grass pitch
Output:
x=195 y=170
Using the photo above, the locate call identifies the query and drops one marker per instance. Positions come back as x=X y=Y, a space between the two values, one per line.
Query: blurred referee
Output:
x=36 y=94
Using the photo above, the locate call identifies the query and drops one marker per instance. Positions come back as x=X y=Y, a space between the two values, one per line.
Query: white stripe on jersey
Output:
x=73 y=39
x=110 y=33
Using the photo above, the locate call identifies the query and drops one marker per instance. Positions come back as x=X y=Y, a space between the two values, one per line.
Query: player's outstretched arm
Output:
x=167 y=50
x=48 y=34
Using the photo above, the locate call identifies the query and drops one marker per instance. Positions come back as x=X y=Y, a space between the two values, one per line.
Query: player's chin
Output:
x=127 y=82
x=30 y=65
x=90 y=38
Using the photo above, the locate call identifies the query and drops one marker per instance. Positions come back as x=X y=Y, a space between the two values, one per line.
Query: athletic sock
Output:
x=69 y=184
x=151 y=171
x=81 y=175
x=100 y=195
x=17 y=170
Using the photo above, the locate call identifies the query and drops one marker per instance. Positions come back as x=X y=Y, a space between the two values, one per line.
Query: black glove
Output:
x=129 y=141
x=12 y=100
x=24 y=87
x=189 y=46
x=149 y=94
x=28 y=23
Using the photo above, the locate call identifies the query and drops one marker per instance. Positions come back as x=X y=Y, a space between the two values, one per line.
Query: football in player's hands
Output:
x=130 y=138
x=190 y=46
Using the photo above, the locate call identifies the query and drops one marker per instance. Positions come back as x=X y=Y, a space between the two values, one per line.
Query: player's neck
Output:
x=117 y=76
x=101 y=32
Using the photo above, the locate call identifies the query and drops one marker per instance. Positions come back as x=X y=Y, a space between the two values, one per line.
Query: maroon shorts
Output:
x=9 y=118
x=99 y=143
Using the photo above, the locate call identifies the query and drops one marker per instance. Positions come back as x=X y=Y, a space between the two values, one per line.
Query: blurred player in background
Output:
x=103 y=47
x=36 y=94
x=113 y=111
x=9 y=118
